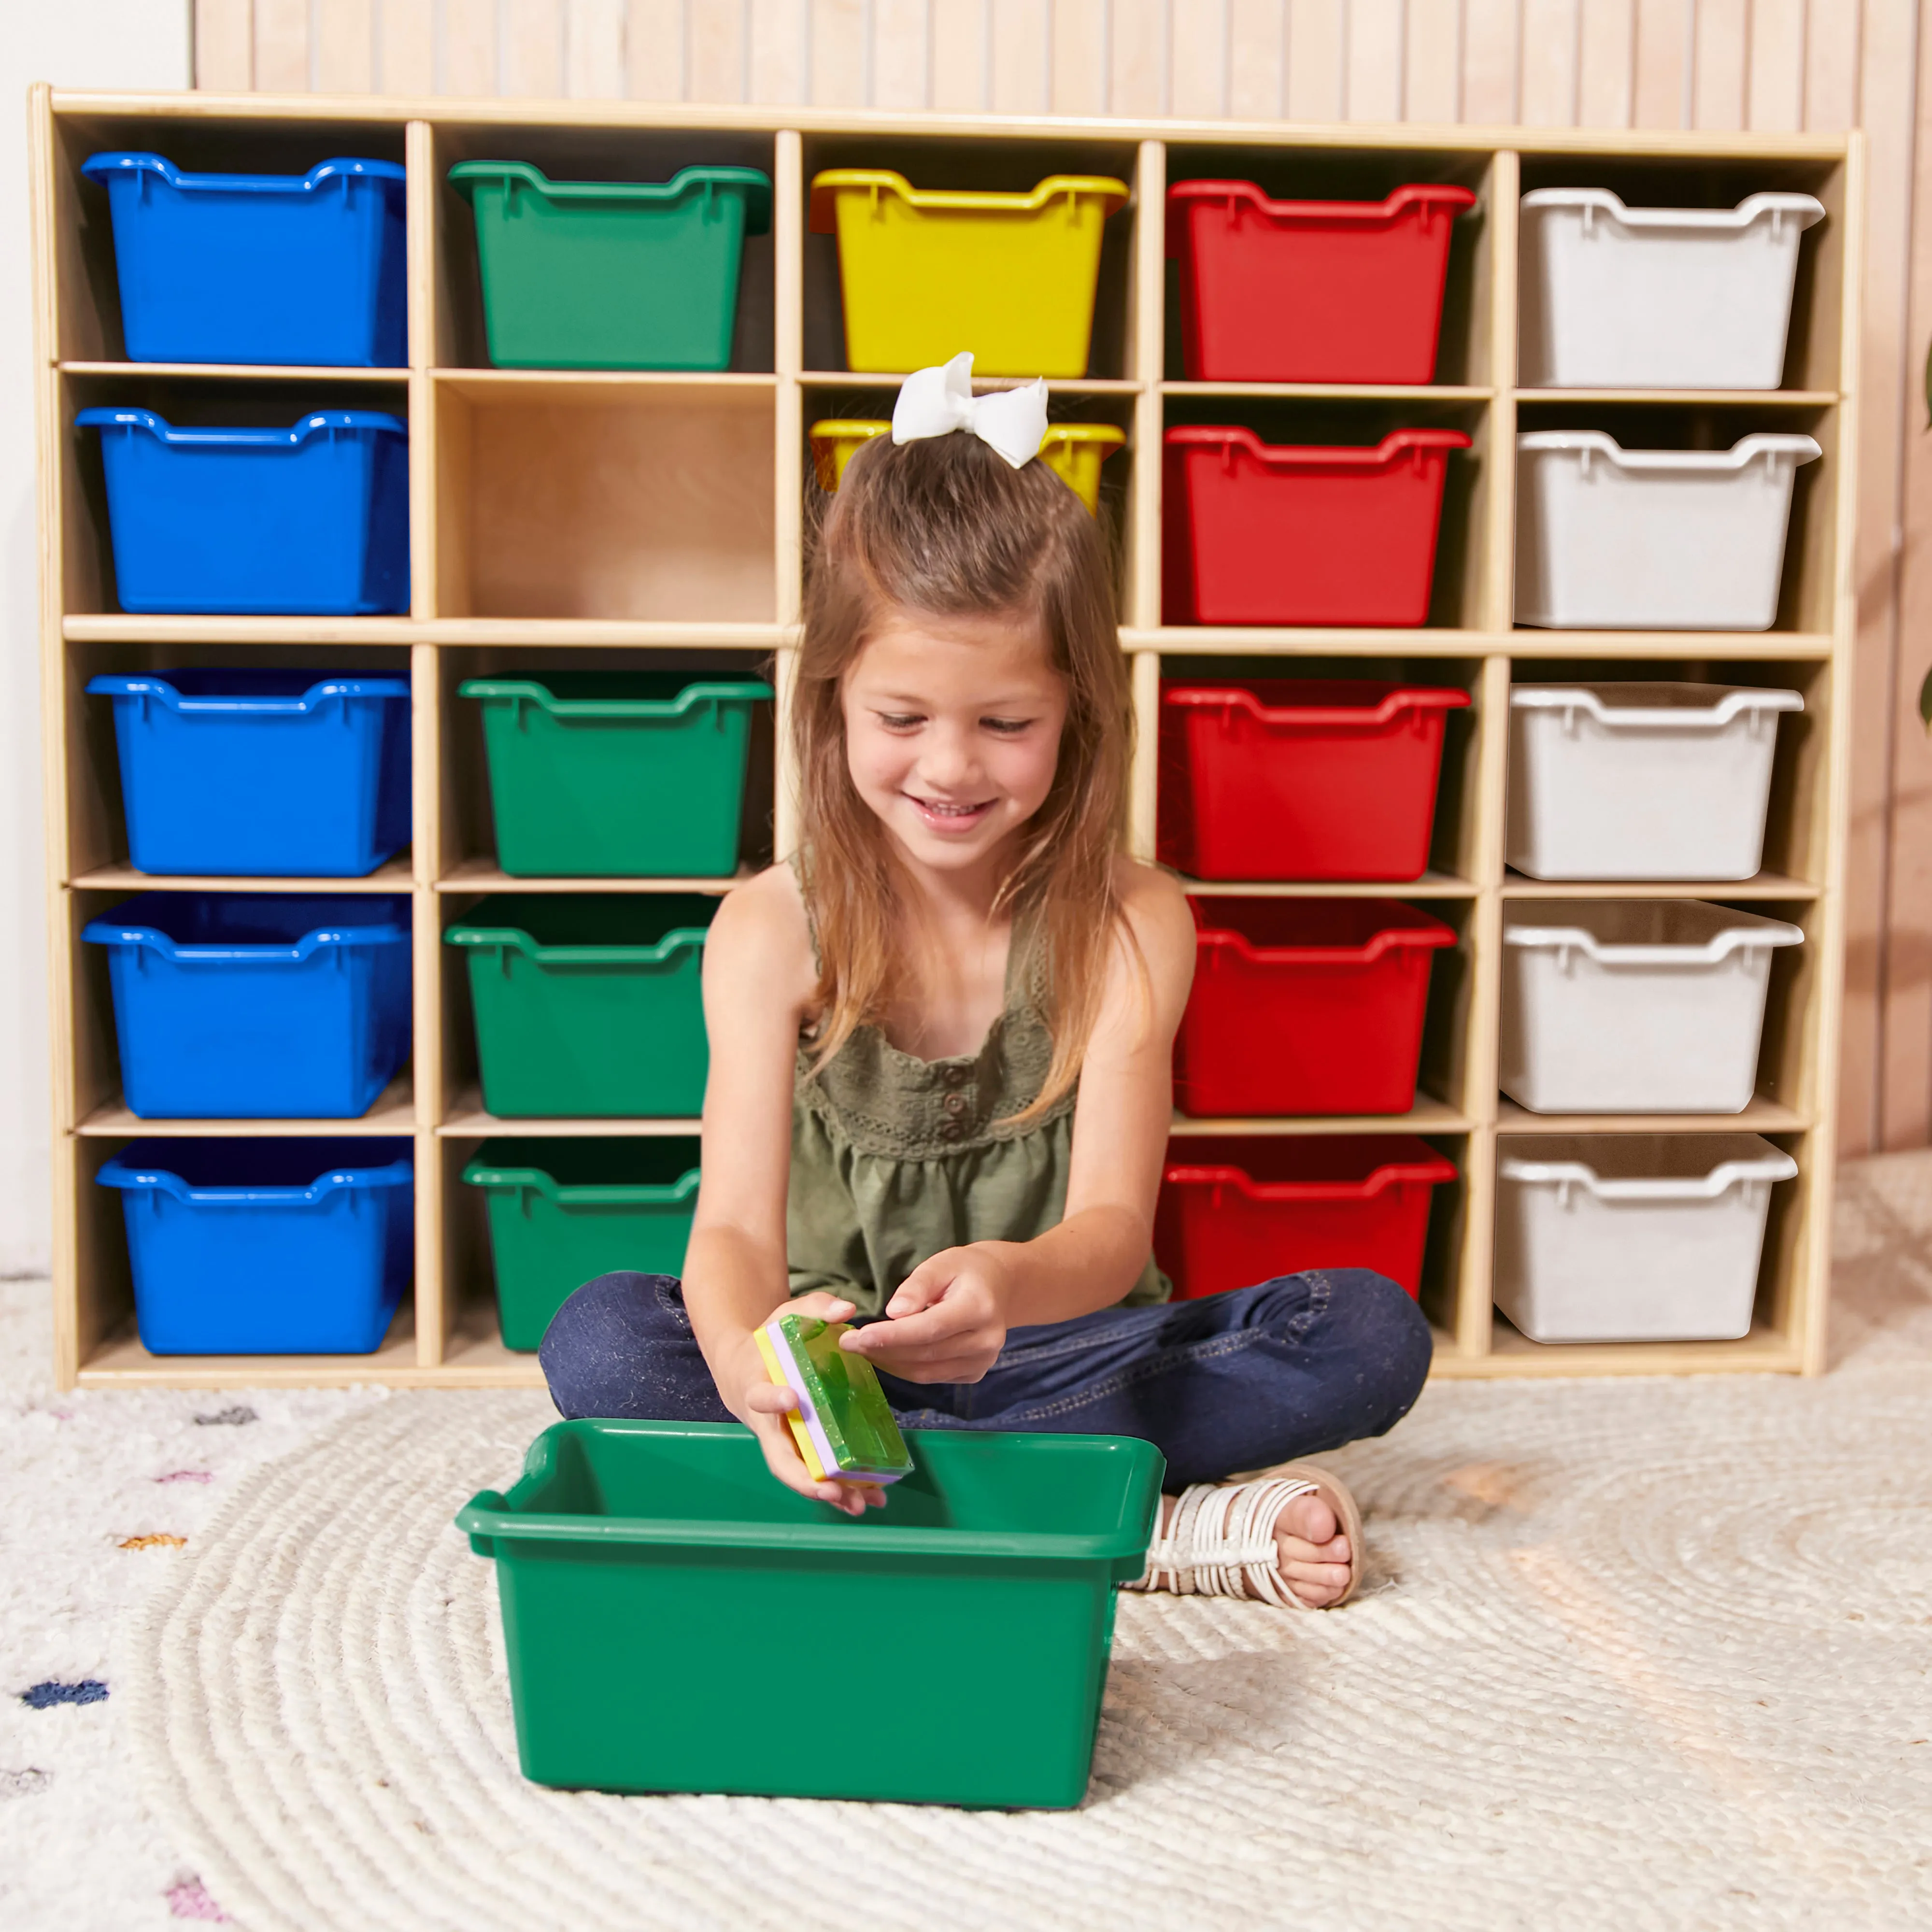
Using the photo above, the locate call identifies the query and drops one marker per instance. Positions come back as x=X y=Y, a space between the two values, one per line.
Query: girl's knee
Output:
x=595 y=1342
x=1386 y=1336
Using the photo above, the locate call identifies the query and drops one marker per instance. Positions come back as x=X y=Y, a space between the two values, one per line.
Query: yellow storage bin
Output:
x=928 y=272
x=1073 y=451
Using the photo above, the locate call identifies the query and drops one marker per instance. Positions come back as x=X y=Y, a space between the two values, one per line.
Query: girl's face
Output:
x=952 y=731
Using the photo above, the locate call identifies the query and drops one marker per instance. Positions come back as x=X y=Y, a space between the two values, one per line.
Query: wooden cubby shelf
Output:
x=577 y=518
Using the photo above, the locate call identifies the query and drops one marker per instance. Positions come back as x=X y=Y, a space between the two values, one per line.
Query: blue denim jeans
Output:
x=1300 y=1364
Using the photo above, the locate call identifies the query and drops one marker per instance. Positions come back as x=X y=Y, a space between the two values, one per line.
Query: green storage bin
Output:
x=611 y=274
x=636 y=774
x=562 y=1212
x=676 y=1621
x=587 y=1004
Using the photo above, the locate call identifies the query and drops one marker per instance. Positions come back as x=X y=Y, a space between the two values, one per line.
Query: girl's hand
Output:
x=762 y=1405
x=948 y=1321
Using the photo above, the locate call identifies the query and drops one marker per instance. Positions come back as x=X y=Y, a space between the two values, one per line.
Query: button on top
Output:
x=951 y=1131
x=954 y=1076
x=954 y=1103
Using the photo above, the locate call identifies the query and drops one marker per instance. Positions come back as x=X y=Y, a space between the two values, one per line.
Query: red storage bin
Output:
x=1310 y=291
x=1304 y=1006
x=1235 y=1212
x=1288 y=778
x=1257 y=534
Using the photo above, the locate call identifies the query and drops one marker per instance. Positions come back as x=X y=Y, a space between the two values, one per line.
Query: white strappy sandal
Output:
x=1220 y=1538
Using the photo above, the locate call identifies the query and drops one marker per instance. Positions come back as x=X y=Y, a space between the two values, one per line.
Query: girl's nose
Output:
x=945 y=761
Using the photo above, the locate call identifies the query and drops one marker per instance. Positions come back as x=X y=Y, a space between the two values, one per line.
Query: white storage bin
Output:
x=1617 y=298
x=1640 y=781
x=1615 y=539
x=1633 y=1237
x=1634 y=1005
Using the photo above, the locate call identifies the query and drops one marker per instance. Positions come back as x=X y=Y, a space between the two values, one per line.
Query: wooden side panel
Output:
x=1549 y=49
x=224 y=45
x=654 y=58
x=469 y=49
x=961 y=83
x=1661 y=63
x=1605 y=63
x=530 y=59
x=1491 y=62
x=1022 y=56
x=282 y=47
x=405 y=52
x=1719 y=51
x=1078 y=83
x=1433 y=61
x=902 y=55
x=1373 y=83
x=345 y=47
x=593 y=49
x=1139 y=81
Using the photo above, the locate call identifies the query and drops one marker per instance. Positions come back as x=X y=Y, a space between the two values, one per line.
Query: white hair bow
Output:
x=936 y=401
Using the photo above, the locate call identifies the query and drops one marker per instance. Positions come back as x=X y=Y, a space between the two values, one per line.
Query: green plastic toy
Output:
x=843 y=1424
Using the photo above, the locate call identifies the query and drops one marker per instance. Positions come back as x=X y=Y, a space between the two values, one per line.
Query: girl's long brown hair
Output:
x=945 y=527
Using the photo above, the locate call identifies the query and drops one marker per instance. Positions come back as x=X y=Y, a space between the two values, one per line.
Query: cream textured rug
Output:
x=1633 y=1654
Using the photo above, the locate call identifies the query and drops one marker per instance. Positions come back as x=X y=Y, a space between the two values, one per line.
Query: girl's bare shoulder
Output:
x=1155 y=907
x=761 y=933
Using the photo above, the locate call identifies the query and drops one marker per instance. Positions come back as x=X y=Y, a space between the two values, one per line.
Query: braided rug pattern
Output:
x=1628 y=1654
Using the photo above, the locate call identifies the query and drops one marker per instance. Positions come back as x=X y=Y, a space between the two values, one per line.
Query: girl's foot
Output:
x=1290 y=1535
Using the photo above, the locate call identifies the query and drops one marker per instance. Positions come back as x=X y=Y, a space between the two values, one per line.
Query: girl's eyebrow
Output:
x=904 y=701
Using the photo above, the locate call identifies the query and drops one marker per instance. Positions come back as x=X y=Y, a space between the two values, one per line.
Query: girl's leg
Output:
x=622 y=1346
x=1233 y=1381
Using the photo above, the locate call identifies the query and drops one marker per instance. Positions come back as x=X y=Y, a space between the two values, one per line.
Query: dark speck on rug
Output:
x=231 y=1417
x=45 y=1695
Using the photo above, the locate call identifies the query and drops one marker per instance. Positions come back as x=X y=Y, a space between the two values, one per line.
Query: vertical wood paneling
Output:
x=1432 y=69
x=1317 y=42
x=900 y=64
x=1197 y=59
x=1489 y=61
x=1833 y=29
x=1550 y=33
x=837 y=55
x=1137 y=86
x=1255 y=58
x=224 y=45
x=345 y=46
x=778 y=30
x=469 y=46
x=1372 y=87
x=531 y=67
x=1079 y=57
x=593 y=49
x=405 y=60
x=960 y=84
x=281 y=47
x=714 y=61
x=1661 y=89
x=1718 y=79
x=1022 y=44
x=1775 y=102
x=1606 y=50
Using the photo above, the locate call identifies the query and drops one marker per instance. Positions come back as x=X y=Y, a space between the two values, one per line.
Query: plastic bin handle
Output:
x=318 y=422
x=1657 y=718
x=1362 y=717
x=1391 y=1173
x=102 y=168
x=614 y=1194
x=752 y=183
x=515 y=938
x=1399 y=443
x=1590 y=444
x=105 y=932
x=828 y=186
x=1422 y=198
x=528 y=690
x=1706 y=1187
x=115 y=685
x=477 y=1514
x=1599 y=203
x=1734 y=939
x=138 y=1179
x=1395 y=937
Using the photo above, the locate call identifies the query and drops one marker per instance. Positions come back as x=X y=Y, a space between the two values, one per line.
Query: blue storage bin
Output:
x=261 y=773
x=289 y=269
x=257 y=1006
x=265 y=1247
x=311 y=520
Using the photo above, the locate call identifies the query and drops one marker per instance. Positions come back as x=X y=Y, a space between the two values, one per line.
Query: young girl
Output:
x=940 y=1042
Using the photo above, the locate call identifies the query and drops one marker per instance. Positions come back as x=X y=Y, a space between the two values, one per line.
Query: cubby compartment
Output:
x=1003 y=167
x=1362 y=176
x=577 y=499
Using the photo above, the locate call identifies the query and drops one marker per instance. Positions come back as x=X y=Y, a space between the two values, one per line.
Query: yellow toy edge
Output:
x=800 y=1434
x=826 y=188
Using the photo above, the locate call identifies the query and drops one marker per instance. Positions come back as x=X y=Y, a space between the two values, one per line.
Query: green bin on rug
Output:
x=611 y=274
x=587 y=1004
x=637 y=774
x=562 y=1212
x=656 y=1582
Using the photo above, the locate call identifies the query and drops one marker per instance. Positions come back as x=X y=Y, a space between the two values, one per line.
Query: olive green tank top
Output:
x=894 y=1158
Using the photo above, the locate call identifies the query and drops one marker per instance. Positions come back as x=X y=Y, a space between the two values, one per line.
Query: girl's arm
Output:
x=951 y=1314
x=758 y=976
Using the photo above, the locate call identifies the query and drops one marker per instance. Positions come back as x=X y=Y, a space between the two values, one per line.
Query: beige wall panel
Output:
x=532 y=64
x=1257 y=47
x=1489 y=61
x=281 y=47
x=1137 y=84
x=224 y=45
x=1775 y=102
x=837 y=55
x=1372 y=86
x=1198 y=58
x=959 y=76
x=900 y=71
x=1831 y=36
x=715 y=56
x=405 y=37
x=593 y=49
x=1718 y=64
x=1660 y=78
x=1550 y=30
x=1317 y=46
x=469 y=46
x=1606 y=62
x=1080 y=76
x=1433 y=65
x=345 y=46
x=779 y=29
x=1022 y=55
